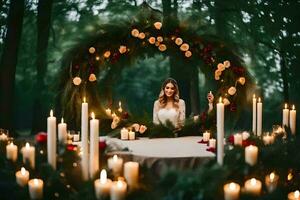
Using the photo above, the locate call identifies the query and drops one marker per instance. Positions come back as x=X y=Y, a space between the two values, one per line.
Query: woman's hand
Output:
x=210 y=97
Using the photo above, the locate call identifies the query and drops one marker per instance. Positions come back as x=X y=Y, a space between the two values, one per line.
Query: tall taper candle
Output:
x=51 y=140
x=259 y=117
x=84 y=140
x=62 y=132
x=293 y=120
x=220 y=132
x=254 y=115
x=94 y=146
x=285 y=116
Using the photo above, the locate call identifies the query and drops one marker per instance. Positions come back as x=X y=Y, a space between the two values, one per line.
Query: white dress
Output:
x=175 y=116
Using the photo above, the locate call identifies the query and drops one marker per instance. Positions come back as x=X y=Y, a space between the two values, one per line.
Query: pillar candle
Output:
x=271 y=181
x=212 y=143
x=231 y=191
x=238 y=139
x=268 y=139
x=220 y=132
x=118 y=190
x=285 y=116
x=62 y=132
x=131 y=135
x=102 y=186
x=293 y=120
x=251 y=153
x=11 y=152
x=94 y=146
x=22 y=177
x=29 y=155
x=206 y=136
x=115 y=164
x=51 y=140
x=253 y=186
x=124 y=134
x=84 y=140
x=254 y=114
x=294 y=195
x=131 y=173
x=36 y=188
x=259 y=117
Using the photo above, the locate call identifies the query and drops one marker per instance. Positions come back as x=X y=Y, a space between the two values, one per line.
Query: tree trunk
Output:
x=9 y=61
x=43 y=29
x=194 y=92
x=284 y=76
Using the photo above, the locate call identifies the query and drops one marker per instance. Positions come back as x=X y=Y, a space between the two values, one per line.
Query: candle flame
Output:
x=232 y=186
x=120 y=103
x=23 y=171
x=93 y=115
x=293 y=108
x=27 y=145
x=115 y=158
x=210 y=92
x=51 y=113
x=285 y=106
x=259 y=100
x=11 y=144
x=290 y=176
x=84 y=100
x=220 y=100
x=254 y=96
x=297 y=194
x=62 y=120
x=103 y=176
x=272 y=176
x=35 y=181
x=119 y=184
x=253 y=181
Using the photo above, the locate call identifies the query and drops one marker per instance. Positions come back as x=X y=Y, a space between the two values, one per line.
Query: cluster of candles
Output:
x=109 y=112
x=211 y=141
x=127 y=135
x=117 y=189
x=289 y=118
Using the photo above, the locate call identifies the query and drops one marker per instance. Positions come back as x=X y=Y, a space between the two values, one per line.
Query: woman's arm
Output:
x=155 y=110
x=181 y=112
x=210 y=98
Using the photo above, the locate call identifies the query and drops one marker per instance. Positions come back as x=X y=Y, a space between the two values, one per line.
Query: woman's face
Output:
x=169 y=90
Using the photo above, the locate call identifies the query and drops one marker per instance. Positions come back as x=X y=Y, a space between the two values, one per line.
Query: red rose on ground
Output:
x=231 y=139
x=71 y=147
x=102 y=145
x=247 y=143
x=41 y=137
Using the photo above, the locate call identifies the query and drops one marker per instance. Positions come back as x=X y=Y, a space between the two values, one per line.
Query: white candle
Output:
x=285 y=116
x=120 y=109
x=212 y=143
x=94 y=146
x=62 y=132
x=51 y=140
x=76 y=137
x=22 y=177
x=131 y=173
x=36 y=188
x=259 y=117
x=253 y=186
x=108 y=112
x=238 y=139
x=206 y=136
x=11 y=152
x=251 y=153
x=102 y=186
x=220 y=132
x=118 y=190
x=131 y=135
x=294 y=195
x=268 y=139
x=115 y=164
x=271 y=181
x=124 y=134
x=293 y=120
x=84 y=139
x=29 y=155
x=231 y=191
x=254 y=115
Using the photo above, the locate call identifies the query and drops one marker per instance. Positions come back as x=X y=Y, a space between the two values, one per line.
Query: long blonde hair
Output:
x=162 y=98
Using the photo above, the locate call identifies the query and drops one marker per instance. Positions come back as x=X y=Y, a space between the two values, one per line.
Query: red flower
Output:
x=102 y=145
x=247 y=143
x=231 y=139
x=125 y=115
x=41 y=137
x=71 y=147
x=211 y=149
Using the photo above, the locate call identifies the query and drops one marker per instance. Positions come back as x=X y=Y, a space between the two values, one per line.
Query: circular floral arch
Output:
x=117 y=44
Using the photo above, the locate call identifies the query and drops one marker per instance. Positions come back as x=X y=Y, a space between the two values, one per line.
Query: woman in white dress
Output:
x=169 y=107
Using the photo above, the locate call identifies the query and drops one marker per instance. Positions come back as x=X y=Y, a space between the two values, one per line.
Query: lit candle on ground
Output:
x=268 y=139
x=51 y=140
x=271 y=181
x=94 y=146
x=238 y=139
x=29 y=155
x=62 y=132
x=206 y=136
x=131 y=173
x=253 y=186
x=251 y=153
x=102 y=186
x=22 y=177
x=220 y=132
x=131 y=135
x=294 y=195
x=11 y=152
x=115 y=164
x=231 y=191
x=293 y=120
x=36 y=188
x=118 y=190
x=285 y=116
x=84 y=139
x=212 y=143
x=124 y=134
x=259 y=117
x=108 y=112
x=120 y=109
x=254 y=114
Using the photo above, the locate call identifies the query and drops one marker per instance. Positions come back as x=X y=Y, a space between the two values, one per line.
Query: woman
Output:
x=169 y=107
